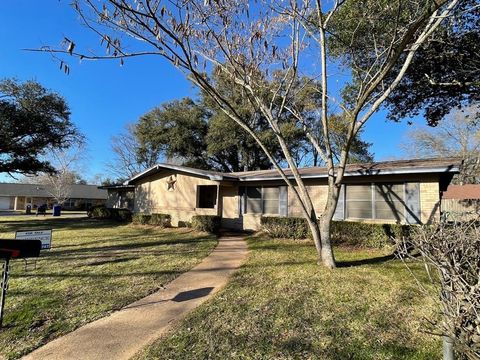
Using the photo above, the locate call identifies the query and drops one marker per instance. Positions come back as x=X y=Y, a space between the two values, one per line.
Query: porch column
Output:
x=219 y=204
x=15 y=203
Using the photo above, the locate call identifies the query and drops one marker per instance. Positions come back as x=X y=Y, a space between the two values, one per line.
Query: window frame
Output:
x=262 y=200
x=373 y=201
x=401 y=212
x=215 y=204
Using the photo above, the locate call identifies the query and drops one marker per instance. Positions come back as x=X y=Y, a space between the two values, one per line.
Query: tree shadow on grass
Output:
x=112 y=261
x=367 y=261
x=99 y=276
x=132 y=245
x=61 y=224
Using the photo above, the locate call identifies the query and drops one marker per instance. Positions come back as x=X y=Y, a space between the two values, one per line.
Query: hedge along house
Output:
x=403 y=191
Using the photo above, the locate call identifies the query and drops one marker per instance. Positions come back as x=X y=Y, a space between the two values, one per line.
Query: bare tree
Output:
x=457 y=135
x=127 y=160
x=264 y=48
x=451 y=255
x=68 y=165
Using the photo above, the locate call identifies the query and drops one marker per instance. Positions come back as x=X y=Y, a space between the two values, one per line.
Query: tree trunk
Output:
x=317 y=239
x=321 y=237
x=328 y=259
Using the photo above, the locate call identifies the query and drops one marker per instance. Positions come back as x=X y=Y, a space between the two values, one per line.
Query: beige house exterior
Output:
x=407 y=191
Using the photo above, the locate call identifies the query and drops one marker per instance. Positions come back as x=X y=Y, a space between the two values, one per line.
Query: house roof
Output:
x=117 y=187
x=462 y=192
x=413 y=166
x=37 y=190
x=212 y=175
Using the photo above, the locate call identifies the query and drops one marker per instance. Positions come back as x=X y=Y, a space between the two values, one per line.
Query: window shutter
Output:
x=412 y=202
x=283 y=201
x=340 y=210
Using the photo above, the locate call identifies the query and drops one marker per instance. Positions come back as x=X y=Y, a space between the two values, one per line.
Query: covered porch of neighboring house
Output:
x=21 y=202
x=19 y=196
x=119 y=196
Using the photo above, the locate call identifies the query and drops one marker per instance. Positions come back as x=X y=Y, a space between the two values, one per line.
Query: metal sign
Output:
x=45 y=236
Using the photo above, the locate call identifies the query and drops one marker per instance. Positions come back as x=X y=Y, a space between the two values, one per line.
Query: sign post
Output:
x=14 y=249
x=4 y=284
x=45 y=236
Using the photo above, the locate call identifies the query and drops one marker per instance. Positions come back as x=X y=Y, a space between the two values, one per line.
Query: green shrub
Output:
x=366 y=234
x=285 y=227
x=342 y=232
x=99 y=212
x=163 y=220
x=102 y=212
x=184 y=224
x=141 y=219
x=207 y=223
x=123 y=215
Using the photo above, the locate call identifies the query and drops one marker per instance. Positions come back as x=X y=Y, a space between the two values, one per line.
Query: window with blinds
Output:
x=389 y=202
x=265 y=200
x=254 y=200
x=380 y=201
x=270 y=200
x=359 y=202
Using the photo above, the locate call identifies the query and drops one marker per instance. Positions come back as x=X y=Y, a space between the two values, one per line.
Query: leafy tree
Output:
x=177 y=129
x=445 y=71
x=33 y=120
x=202 y=136
x=375 y=41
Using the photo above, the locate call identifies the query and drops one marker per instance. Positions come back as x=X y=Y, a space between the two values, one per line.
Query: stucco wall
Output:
x=230 y=208
x=153 y=196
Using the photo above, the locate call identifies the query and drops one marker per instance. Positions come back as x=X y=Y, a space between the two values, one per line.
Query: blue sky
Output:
x=104 y=96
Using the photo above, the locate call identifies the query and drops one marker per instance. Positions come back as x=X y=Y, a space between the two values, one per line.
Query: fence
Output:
x=461 y=210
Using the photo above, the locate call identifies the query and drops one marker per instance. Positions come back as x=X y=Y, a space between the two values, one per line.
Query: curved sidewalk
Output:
x=127 y=331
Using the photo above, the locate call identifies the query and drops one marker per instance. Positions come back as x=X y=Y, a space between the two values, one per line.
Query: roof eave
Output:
x=435 y=170
x=156 y=168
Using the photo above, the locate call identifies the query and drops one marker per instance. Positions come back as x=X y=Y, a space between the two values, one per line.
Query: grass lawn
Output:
x=94 y=268
x=281 y=305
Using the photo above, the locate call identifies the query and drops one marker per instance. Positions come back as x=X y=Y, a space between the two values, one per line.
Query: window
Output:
x=265 y=200
x=254 y=200
x=377 y=201
x=270 y=200
x=207 y=196
x=359 y=202
x=389 y=202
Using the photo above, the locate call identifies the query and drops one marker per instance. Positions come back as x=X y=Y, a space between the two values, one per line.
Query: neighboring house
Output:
x=461 y=202
x=15 y=196
x=404 y=191
x=120 y=196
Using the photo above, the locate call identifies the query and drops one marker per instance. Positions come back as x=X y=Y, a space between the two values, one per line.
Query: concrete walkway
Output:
x=125 y=332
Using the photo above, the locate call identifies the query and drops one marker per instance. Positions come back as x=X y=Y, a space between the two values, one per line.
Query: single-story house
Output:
x=402 y=191
x=461 y=202
x=120 y=196
x=16 y=196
